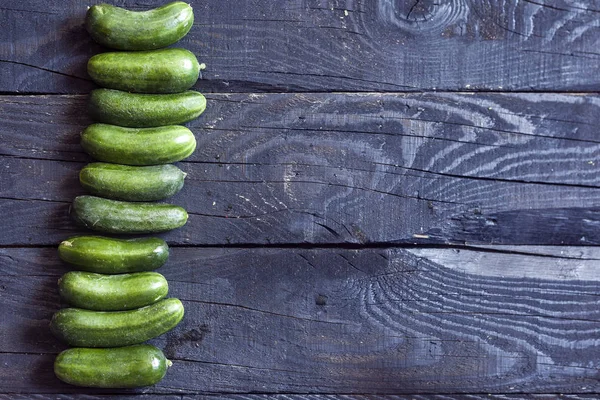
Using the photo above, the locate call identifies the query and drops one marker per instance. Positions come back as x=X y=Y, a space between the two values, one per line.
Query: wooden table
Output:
x=388 y=198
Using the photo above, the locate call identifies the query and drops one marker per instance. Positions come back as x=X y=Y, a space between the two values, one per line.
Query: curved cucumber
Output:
x=122 y=29
x=156 y=71
x=112 y=292
x=123 y=217
x=114 y=256
x=123 y=182
x=84 y=328
x=121 y=367
x=138 y=110
x=138 y=146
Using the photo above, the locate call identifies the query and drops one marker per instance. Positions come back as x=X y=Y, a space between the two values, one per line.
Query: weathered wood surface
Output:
x=421 y=239
x=330 y=321
x=331 y=45
x=455 y=396
x=451 y=396
x=338 y=168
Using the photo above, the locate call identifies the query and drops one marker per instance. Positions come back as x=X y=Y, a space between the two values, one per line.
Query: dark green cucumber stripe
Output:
x=113 y=256
x=121 y=367
x=85 y=328
x=113 y=216
x=123 y=29
x=156 y=71
x=138 y=110
x=123 y=182
x=102 y=292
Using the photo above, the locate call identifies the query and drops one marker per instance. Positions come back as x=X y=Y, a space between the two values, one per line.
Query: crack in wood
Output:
x=44 y=69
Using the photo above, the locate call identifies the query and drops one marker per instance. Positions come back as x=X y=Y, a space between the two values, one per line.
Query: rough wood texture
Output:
x=367 y=221
x=342 y=321
x=338 y=168
x=331 y=45
x=450 y=396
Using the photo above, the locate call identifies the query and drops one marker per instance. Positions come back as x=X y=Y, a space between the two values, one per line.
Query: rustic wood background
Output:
x=390 y=199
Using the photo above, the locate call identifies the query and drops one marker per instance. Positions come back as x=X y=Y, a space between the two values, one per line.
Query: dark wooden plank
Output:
x=326 y=45
x=330 y=321
x=488 y=396
x=309 y=168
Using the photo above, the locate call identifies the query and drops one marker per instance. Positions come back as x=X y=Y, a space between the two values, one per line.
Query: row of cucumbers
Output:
x=118 y=303
x=117 y=300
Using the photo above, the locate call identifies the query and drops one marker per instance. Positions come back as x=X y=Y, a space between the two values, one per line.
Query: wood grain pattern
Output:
x=340 y=321
x=450 y=396
x=308 y=168
x=327 y=45
x=368 y=219
x=252 y=396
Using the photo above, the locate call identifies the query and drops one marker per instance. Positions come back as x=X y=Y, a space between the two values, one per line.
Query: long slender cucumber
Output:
x=84 y=328
x=102 y=292
x=138 y=146
x=122 y=29
x=139 y=110
x=122 y=217
x=155 y=71
x=120 y=367
x=124 y=182
x=114 y=256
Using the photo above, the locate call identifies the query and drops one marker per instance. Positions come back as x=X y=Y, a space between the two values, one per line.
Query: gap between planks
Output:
x=522 y=250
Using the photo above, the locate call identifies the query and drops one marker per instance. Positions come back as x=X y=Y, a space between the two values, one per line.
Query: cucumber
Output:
x=122 y=29
x=114 y=216
x=139 y=110
x=123 y=182
x=156 y=71
x=84 y=328
x=138 y=146
x=101 y=292
x=121 y=367
x=114 y=256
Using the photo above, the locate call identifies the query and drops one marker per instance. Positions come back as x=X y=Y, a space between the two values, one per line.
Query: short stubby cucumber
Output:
x=121 y=29
x=138 y=146
x=116 y=368
x=122 y=217
x=124 y=182
x=139 y=110
x=84 y=328
x=102 y=292
x=114 y=256
x=156 y=71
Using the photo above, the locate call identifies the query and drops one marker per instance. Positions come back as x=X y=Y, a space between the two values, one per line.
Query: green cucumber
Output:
x=84 y=328
x=124 y=182
x=101 y=292
x=114 y=256
x=122 y=217
x=138 y=146
x=121 y=367
x=139 y=110
x=122 y=29
x=155 y=71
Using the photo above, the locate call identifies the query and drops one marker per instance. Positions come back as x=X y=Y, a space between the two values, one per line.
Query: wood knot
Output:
x=419 y=16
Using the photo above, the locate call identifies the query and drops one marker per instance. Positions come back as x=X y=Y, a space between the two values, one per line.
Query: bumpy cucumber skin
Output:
x=139 y=110
x=121 y=367
x=156 y=71
x=84 y=328
x=114 y=256
x=100 y=292
x=124 y=182
x=122 y=217
x=138 y=146
x=122 y=29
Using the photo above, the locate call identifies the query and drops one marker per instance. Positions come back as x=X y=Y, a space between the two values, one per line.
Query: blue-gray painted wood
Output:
x=331 y=45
